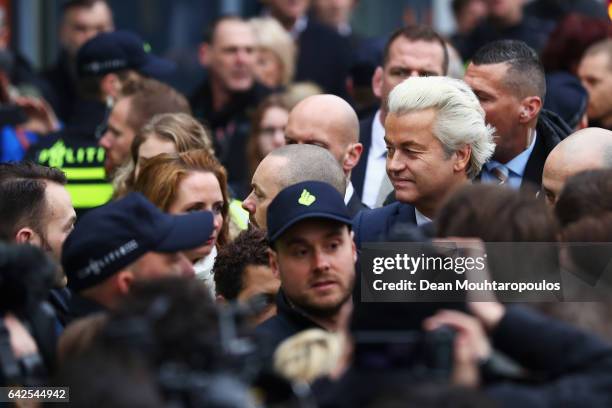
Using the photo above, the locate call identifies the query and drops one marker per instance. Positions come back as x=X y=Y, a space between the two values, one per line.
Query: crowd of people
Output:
x=206 y=251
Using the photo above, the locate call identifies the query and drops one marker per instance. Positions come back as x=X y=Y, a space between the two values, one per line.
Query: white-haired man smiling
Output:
x=437 y=140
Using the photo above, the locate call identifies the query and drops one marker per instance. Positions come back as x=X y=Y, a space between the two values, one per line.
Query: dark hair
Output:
x=167 y=320
x=586 y=194
x=73 y=4
x=22 y=192
x=209 y=32
x=254 y=155
x=249 y=248
x=570 y=39
x=148 y=98
x=417 y=33
x=525 y=74
x=459 y=5
x=88 y=87
x=100 y=379
x=519 y=216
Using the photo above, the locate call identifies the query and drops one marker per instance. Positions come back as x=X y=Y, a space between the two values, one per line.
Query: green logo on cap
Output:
x=306 y=198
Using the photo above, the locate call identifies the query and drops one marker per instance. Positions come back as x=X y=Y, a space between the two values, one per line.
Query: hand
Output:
x=22 y=343
x=41 y=118
x=471 y=345
x=489 y=313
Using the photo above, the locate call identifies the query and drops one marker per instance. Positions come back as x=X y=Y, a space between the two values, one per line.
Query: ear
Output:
x=123 y=281
x=584 y=122
x=111 y=85
x=26 y=236
x=462 y=161
x=377 y=82
x=530 y=108
x=352 y=156
x=353 y=246
x=273 y=261
x=204 y=54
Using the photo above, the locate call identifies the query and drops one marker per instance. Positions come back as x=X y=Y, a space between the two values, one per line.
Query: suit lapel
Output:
x=358 y=172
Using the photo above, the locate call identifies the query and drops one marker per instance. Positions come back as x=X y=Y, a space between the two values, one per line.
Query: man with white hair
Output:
x=437 y=140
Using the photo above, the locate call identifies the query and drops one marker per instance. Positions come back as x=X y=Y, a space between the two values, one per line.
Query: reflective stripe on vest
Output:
x=238 y=215
x=89 y=195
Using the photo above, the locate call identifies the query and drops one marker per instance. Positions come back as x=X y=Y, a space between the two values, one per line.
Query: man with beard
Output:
x=36 y=209
x=313 y=254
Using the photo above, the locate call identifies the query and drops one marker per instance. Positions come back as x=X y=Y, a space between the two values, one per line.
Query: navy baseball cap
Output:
x=119 y=50
x=308 y=199
x=566 y=96
x=109 y=238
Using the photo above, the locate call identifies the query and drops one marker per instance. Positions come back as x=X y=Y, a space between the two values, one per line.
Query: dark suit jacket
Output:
x=324 y=58
x=355 y=205
x=551 y=129
x=384 y=224
x=365 y=138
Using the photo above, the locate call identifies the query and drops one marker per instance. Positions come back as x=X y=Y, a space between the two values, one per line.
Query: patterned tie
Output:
x=501 y=172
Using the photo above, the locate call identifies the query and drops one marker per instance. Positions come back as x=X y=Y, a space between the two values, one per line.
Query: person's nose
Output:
x=249 y=204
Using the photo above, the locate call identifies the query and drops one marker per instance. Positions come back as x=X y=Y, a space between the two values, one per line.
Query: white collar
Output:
x=349 y=193
x=420 y=218
x=378 y=147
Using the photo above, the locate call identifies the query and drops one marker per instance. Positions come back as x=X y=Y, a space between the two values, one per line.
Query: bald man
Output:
x=587 y=149
x=284 y=167
x=330 y=122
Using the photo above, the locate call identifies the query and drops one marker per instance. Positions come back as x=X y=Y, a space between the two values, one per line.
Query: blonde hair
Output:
x=271 y=36
x=308 y=355
x=180 y=128
x=298 y=91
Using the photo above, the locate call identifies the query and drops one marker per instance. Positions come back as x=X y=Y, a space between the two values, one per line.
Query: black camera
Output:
x=26 y=278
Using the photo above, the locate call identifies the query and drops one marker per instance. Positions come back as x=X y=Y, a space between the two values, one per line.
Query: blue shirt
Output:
x=516 y=168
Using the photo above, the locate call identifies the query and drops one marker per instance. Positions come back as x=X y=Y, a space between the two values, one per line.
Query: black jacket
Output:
x=324 y=57
x=61 y=87
x=365 y=138
x=230 y=128
x=287 y=322
x=575 y=366
x=551 y=130
x=79 y=307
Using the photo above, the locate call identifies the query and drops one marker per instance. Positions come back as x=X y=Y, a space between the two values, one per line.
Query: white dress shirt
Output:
x=420 y=218
x=349 y=193
x=376 y=167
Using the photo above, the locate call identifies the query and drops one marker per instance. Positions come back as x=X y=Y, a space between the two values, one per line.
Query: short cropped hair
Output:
x=525 y=76
x=148 y=98
x=460 y=120
x=309 y=162
x=417 y=33
x=496 y=214
x=22 y=196
x=73 y=4
x=602 y=47
x=586 y=194
x=249 y=248
x=209 y=32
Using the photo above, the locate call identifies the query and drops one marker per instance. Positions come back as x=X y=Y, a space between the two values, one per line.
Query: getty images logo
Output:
x=306 y=198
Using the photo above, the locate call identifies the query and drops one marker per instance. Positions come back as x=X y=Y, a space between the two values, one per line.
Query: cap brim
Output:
x=188 y=231
x=157 y=67
x=281 y=231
